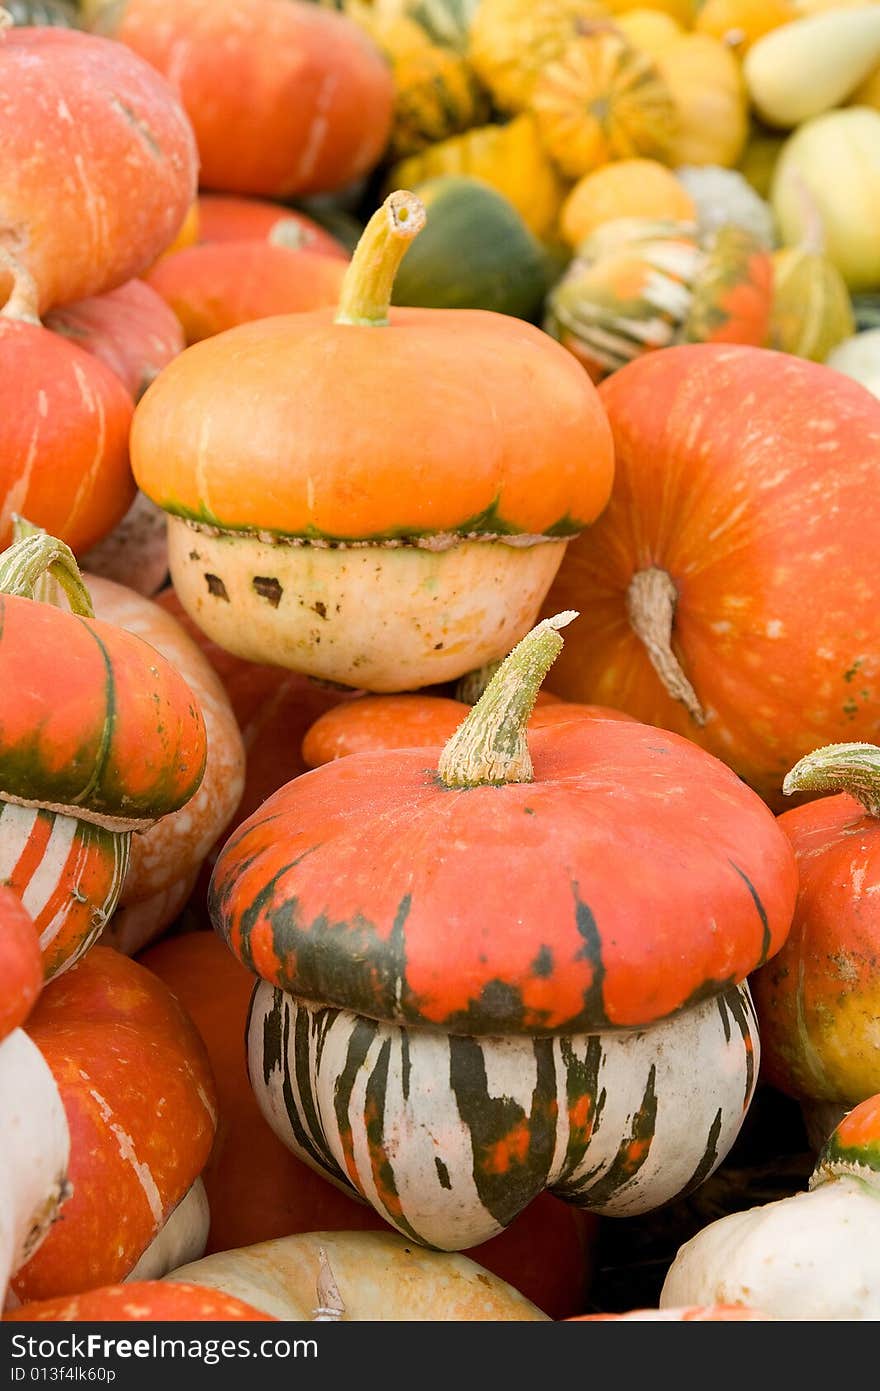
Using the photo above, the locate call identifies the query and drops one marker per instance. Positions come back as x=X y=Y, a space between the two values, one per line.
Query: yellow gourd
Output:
x=602 y=100
x=812 y=311
x=630 y=188
x=807 y=67
x=511 y=40
x=682 y=11
x=649 y=30
x=510 y=157
x=740 y=23
x=707 y=86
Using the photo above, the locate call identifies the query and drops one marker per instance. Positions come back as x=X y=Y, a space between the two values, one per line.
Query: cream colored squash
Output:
x=457 y=608
x=34 y=1153
x=811 y=65
x=859 y=357
x=829 y=170
x=183 y=1237
x=380 y=1276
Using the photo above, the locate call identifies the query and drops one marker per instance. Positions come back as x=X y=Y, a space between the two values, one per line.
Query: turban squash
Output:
x=374 y=896
x=819 y=1001
x=778 y=1256
x=307 y=532
x=746 y=485
x=99 y=736
x=140 y=1300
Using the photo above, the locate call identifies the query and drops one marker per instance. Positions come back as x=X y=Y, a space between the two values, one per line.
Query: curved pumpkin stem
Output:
x=27 y=560
x=650 y=605
x=852 y=768
x=490 y=745
x=24 y=299
x=366 y=289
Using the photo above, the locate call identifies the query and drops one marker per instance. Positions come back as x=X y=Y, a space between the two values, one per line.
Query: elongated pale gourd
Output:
x=812 y=64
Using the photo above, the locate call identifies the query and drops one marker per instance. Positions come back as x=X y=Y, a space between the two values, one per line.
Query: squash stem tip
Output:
x=365 y=298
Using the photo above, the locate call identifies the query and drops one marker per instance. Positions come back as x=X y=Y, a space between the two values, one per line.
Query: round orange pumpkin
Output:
x=225 y=218
x=219 y=285
x=21 y=970
x=300 y=102
x=64 y=423
x=727 y=592
x=140 y=1103
x=131 y=330
x=414 y=721
x=97 y=161
x=141 y=1300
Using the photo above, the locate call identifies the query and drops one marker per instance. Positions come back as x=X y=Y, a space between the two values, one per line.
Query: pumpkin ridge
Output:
x=632 y=1153
x=381 y=1166
x=762 y=912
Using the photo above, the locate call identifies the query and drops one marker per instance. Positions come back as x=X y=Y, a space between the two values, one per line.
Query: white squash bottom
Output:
x=34 y=1153
x=183 y=1237
x=377 y=618
x=667 y=1103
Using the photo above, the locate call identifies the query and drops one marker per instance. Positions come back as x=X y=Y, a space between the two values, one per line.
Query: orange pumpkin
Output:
x=414 y=721
x=306 y=94
x=258 y=1190
x=97 y=161
x=139 y=1096
x=64 y=423
x=171 y=852
x=818 y=1003
x=218 y=285
x=745 y=489
x=131 y=329
x=21 y=970
x=141 y=1300
x=226 y=218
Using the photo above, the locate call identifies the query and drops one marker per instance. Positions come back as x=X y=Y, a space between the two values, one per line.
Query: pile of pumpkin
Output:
x=436 y=546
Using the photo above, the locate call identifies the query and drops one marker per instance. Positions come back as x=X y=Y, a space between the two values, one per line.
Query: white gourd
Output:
x=859 y=357
x=813 y=64
x=183 y=1237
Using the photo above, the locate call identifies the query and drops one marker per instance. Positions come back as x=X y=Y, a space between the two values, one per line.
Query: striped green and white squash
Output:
x=449 y=1137
x=68 y=874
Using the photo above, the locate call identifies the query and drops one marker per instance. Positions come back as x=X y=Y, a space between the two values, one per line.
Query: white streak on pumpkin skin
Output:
x=86 y=490
x=52 y=866
x=17 y=495
x=128 y=1152
x=313 y=146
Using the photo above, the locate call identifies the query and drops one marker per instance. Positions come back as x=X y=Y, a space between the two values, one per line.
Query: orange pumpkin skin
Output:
x=258 y=1190
x=219 y=285
x=94 y=720
x=178 y=843
x=696 y=1313
x=137 y=1089
x=750 y=478
x=226 y=218
x=426 y=934
x=306 y=95
x=172 y=1302
x=819 y=1001
x=68 y=873
x=21 y=971
x=413 y=722
x=83 y=116
x=337 y=470
x=131 y=329
x=64 y=423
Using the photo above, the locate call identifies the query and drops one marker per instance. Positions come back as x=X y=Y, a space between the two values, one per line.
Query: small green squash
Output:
x=475 y=252
x=54 y=14
x=812 y=311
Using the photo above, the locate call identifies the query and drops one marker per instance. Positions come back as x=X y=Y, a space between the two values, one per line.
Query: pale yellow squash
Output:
x=812 y=65
x=707 y=86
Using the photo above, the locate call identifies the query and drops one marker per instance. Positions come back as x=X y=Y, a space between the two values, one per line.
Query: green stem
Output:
x=23 y=301
x=852 y=768
x=369 y=280
x=27 y=560
x=490 y=745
